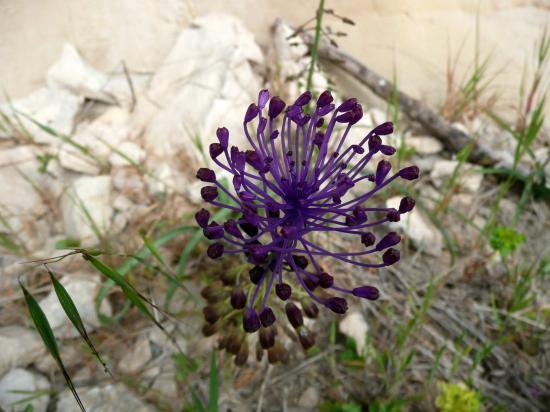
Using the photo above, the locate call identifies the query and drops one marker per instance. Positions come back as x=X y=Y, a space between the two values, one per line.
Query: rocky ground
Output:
x=92 y=158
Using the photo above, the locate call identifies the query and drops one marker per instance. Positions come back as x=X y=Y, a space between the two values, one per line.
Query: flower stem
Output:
x=315 y=44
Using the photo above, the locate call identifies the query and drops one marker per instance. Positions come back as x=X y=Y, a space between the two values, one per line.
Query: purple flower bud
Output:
x=366 y=292
x=283 y=291
x=387 y=150
x=337 y=305
x=248 y=228
x=391 y=239
x=311 y=283
x=320 y=122
x=323 y=111
x=206 y=175
x=356 y=114
x=347 y=105
x=238 y=158
x=303 y=99
x=375 y=143
x=325 y=280
x=215 y=149
x=251 y=113
x=238 y=298
x=254 y=159
x=223 y=136
x=409 y=173
x=357 y=149
x=213 y=231
x=300 y=261
x=256 y=274
x=390 y=256
x=383 y=129
x=231 y=227
x=368 y=239
x=276 y=106
x=215 y=250
x=263 y=97
x=393 y=216
x=202 y=217
x=267 y=317
x=209 y=193
x=251 y=321
x=382 y=171
x=294 y=315
x=324 y=99
x=406 y=204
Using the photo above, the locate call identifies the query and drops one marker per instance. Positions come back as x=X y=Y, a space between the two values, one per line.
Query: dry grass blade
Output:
x=72 y=313
x=46 y=333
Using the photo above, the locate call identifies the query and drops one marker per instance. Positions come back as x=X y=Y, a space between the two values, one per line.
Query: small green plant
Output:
x=457 y=397
x=505 y=239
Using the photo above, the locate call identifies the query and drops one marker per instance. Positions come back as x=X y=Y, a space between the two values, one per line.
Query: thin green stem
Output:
x=315 y=44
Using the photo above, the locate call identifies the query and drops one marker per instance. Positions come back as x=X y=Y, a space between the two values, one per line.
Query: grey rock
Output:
x=36 y=386
x=20 y=346
x=110 y=398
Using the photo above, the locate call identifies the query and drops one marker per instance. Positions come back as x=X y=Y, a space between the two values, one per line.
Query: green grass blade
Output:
x=196 y=400
x=128 y=265
x=213 y=395
x=152 y=248
x=46 y=333
x=71 y=311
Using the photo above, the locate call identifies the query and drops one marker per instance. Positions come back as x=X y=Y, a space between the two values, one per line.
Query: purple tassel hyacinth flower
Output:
x=295 y=180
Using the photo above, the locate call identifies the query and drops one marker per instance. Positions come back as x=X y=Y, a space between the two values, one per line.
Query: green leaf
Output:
x=128 y=265
x=72 y=313
x=213 y=398
x=197 y=401
x=46 y=333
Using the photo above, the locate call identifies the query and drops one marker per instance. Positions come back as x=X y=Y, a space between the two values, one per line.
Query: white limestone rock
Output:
x=355 y=326
x=467 y=179
x=18 y=380
x=52 y=108
x=87 y=207
x=416 y=227
x=110 y=398
x=424 y=145
x=20 y=347
x=205 y=82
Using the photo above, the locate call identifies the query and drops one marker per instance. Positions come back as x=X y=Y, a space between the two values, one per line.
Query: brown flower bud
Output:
x=211 y=314
x=242 y=356
x=209 y=329
x=310 y=309
x=267 y=337
x=233 y=343
x=306 y=337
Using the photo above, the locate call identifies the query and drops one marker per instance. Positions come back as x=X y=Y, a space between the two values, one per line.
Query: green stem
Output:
x=315 y=44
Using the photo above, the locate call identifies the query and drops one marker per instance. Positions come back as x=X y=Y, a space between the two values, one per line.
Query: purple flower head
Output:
x=298 y=178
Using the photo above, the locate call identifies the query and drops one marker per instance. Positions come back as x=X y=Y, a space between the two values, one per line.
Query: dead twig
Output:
x=452 y=138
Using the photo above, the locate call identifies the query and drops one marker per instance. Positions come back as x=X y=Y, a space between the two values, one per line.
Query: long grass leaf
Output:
x=71 y=311
x=213 y=394
x=46 y=333
x=127 y=266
